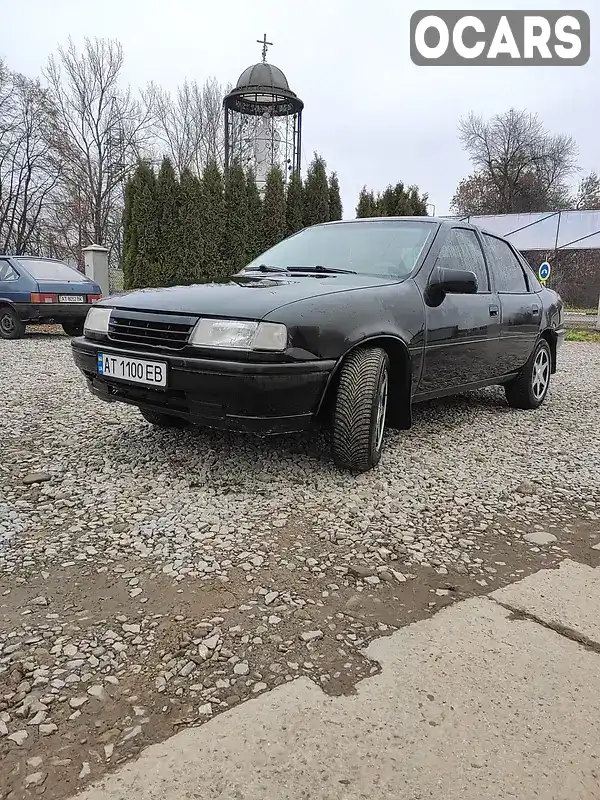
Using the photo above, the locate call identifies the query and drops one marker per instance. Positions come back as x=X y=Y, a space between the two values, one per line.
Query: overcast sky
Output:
x=373 y=115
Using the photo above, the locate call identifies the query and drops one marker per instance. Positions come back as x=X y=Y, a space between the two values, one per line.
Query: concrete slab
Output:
x=469 y=705
x=568 y=596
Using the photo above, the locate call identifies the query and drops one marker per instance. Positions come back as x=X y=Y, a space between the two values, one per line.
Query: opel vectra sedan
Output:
x=350 y=323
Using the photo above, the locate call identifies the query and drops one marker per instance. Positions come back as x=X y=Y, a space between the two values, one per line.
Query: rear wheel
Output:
x=530 y=387
x=11 y=327
x=73 y=327
x=160 y=420
x=360 y=409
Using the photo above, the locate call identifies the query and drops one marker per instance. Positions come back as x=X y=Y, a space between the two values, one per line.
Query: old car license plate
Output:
x=71 y=298
x=138 y=370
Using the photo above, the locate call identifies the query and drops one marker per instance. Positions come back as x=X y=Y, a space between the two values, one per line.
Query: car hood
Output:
x=242 y=297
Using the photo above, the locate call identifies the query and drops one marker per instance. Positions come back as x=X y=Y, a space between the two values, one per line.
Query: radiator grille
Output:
x=150 y=330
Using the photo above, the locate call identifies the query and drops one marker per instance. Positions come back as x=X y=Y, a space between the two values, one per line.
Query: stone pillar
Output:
x=96 y=266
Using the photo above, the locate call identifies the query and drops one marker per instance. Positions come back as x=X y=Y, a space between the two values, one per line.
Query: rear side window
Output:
x=462 y=250
x=46 y=270
x=532 y=279
x=507 y=270
x=7 y=273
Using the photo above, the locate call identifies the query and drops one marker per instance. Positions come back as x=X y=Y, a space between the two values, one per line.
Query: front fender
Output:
x=401 y=377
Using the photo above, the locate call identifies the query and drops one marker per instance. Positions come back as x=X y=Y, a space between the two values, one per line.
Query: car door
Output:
x=461 y=331
x=520 y=306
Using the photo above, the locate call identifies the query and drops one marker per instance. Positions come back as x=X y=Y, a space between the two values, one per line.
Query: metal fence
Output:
x=115 y=279
x=553 y=230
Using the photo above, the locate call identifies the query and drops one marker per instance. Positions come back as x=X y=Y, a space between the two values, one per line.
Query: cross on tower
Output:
x=265 y=44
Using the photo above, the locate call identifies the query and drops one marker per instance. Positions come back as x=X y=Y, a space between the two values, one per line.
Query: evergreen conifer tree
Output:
x=335 y=200
x=191 y=234
x=144 y=227
x=395 y=201
x=168 y=202
x=129 y=232
x=367 y=204
x=254 y=241
x=213 y=222
x=236 y=218
x=274 y=222
x=316 y=193
x=294 y=208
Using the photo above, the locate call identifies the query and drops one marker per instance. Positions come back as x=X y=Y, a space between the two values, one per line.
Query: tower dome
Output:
x=263 y=74
x=263 y=88
x=263 y=121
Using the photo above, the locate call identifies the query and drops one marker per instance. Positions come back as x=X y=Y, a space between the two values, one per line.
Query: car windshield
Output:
x=46 y=270
x=370 y=248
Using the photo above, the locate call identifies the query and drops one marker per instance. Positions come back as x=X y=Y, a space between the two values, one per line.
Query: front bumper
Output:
x=240 y=395
x=49 y=312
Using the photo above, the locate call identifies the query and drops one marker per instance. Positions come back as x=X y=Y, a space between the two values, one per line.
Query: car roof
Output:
x=443 y=221
x=31 y=258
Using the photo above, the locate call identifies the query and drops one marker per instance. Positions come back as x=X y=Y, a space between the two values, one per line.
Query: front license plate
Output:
x=138 y=370
x=71 y=298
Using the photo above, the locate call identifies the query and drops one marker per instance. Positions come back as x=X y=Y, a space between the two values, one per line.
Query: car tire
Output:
x=11 y=326
x=160 y=420
x=360 y=409
x=73 y=327
x=529 y=389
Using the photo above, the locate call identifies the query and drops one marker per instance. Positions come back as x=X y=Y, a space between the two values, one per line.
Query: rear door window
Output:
x=532 y=279
x=46 y=270
x=506 y=267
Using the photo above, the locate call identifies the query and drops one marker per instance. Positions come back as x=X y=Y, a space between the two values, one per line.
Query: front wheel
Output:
x=11 y=326
x=360 y=409
x=160 y=420
x=73 y=327
x=530 y=387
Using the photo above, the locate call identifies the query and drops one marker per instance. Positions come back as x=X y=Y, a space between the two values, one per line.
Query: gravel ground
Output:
x=151 y=579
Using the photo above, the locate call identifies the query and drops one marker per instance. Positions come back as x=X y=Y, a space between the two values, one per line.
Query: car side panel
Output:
x=521 y=320
x=521 y=311
x=459 y=342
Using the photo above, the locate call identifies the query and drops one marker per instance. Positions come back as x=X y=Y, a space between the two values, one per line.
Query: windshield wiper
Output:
x=321 y=268
x=266 y=268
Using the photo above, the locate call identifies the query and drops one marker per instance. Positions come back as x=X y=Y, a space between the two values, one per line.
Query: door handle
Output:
x=535 y=310
x=494 y=311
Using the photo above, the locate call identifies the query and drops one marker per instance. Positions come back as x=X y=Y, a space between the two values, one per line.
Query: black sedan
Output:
x=350 y=323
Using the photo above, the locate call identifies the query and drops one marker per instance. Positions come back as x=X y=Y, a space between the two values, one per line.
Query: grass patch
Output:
x=582 y=335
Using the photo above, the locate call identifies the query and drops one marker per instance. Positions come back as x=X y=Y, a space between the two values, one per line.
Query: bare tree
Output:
x=29 y=167
x=189 y=127
x=521 y=166
x=100 y=131
x=588 y=193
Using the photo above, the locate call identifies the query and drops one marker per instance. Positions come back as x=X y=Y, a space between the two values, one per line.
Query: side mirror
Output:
x=450 y=281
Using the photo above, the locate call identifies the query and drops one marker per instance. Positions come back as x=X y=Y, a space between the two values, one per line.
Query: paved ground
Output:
x=149 y=581
x=494 y=698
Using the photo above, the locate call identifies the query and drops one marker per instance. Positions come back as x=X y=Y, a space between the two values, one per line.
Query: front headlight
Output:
x=231 y=334
x=97 y=320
